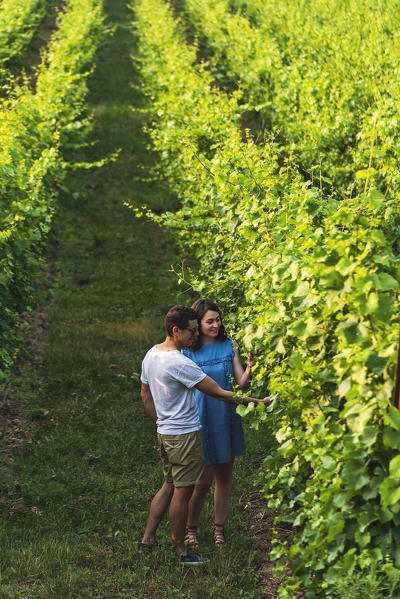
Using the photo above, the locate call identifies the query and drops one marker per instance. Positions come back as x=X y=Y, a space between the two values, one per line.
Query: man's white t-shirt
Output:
x=171 y=377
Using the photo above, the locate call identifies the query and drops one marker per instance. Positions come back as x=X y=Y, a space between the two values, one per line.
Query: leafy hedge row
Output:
x=324 y=74
x=19 y=20
x=311 y=285
x=237 y=49
x=37 y=129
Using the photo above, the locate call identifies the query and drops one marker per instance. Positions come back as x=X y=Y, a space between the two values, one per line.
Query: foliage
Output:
x=311 y=286
x=37 y=129
x=381 y=580
x=238 y=51
x=321 y=73
x=19 y=21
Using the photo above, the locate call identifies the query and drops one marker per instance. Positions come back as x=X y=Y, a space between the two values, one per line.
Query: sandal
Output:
x=191 y=539
x=219 y=535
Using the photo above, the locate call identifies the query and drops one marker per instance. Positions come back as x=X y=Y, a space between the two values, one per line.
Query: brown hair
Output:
x=201 y=306
x=178 y=316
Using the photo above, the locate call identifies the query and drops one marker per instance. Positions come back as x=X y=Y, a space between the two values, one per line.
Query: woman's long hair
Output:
x=201 y=306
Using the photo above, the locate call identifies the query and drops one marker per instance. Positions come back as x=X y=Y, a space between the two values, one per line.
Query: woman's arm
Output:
x=241 y=375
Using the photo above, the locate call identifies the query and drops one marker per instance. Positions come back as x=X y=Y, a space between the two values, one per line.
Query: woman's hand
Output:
x=250 y=361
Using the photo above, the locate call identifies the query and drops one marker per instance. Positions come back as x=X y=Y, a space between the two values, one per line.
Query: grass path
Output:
x=75 y=494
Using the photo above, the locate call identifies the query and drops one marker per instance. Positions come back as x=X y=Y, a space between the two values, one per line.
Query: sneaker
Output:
x=191 y=559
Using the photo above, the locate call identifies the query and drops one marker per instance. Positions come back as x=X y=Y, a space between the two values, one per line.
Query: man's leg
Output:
x=185 y=455
x=178 y=512
x=158 y=507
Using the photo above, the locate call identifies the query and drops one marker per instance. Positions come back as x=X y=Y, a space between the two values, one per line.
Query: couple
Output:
x=169 y=377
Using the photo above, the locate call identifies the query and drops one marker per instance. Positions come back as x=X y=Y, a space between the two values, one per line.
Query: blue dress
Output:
x=222 y=430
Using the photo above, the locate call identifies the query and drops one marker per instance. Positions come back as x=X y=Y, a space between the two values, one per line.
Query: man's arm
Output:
x=148 y=402
x=210 y=387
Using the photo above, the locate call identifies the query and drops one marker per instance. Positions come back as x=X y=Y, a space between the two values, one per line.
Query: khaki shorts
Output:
x=182 y=458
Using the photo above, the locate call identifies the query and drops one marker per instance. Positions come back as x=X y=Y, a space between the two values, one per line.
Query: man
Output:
x=168 y=378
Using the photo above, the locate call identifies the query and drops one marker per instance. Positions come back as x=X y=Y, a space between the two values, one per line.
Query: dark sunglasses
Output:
x=193 y=331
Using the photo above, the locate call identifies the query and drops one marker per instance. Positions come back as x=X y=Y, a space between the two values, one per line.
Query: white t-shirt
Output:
x=171 y=377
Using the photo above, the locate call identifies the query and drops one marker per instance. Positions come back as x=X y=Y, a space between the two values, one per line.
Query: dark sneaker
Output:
x=141 y=547
x=191 y=559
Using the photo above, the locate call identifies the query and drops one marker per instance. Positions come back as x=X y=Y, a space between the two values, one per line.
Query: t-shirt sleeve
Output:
x=143 y=376
x=190 y=374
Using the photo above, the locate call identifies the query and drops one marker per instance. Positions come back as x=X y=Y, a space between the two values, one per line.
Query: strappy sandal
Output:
x=191 y=539
x=219 y=535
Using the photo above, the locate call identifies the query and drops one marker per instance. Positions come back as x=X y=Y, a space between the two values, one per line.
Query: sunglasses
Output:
x=193 y=330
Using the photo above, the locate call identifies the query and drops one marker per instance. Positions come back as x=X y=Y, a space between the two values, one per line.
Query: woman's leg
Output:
x=223 y=490
x=199 y=495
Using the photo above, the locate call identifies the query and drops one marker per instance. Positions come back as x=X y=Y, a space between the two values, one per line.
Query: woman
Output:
x=222 y=431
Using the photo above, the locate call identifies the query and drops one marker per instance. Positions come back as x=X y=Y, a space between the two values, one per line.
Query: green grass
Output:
x=75 y=495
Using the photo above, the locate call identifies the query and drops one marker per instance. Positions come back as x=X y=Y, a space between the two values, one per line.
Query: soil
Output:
x=31 y=62
x=264 y=531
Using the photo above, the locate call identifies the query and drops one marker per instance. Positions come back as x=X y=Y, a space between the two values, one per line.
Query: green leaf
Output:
x=241 y=410
x=362 y=538
x=344 y=387
x=369 y=434
x=296 y=360
x=353 y=474
x=365 y=519
x=326 y=375
x=373 y=302
x=390 y=491
x=358 y=424
x=392 y=417
x=345 y=266
x=377 y=236
x=385 y=282
x=298 y=328
x=280 y=348
x=364 y=173
x=391 y=438
x=282 y=434
x=335 y=529
x=376 y=363
x=394 y=467
x=350 y=330
x=333 y=280
x=376 y=197
x=302 y=289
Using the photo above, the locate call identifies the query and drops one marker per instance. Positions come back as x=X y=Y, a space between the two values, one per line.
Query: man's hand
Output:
x=210 y=387
x=265 y=400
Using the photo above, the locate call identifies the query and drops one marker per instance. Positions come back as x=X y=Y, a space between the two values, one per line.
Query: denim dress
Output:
x=222 y=430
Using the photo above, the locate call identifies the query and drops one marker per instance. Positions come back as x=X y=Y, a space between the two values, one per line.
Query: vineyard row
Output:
x=38 y=130
x=309 y=284
x=322 y=75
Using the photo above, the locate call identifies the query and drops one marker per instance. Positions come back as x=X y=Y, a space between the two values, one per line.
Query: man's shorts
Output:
x=182 y=458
